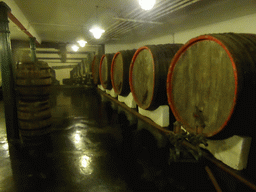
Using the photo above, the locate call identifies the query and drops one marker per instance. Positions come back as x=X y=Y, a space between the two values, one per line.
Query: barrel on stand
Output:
x=34 y=118
x=148 y=73
x=211 y=84
x=105 y=67
x=95 y=69
x=120 y=72
x=33 y=81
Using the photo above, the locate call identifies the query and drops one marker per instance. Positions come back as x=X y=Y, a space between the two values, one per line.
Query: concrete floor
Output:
x=93 y=146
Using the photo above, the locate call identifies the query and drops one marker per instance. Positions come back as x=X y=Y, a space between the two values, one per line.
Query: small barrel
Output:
x=33 y=80
x=34 y=117
x=95 y=69
x=105 y=67
x=148 y=73
x=211 y=84
x=120 y=72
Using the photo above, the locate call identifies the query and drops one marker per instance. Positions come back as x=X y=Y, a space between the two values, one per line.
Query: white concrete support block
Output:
x=129 y=101
x=233 y=151
x=101 y=88
x=111 y=92
x=160 y=116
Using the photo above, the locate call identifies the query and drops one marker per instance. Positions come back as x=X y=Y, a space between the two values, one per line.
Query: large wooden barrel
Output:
x=120 y=71
x=211 y=84
x=148 y=73
x=95 y=69
x=33 y=80
x=34 y=118
x=105 y=67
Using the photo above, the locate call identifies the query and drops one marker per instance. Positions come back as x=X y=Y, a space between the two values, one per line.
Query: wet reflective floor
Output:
x=93 y=145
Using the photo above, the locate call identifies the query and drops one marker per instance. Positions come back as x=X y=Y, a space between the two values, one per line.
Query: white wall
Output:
x=62 y=74
x=113 y=48
x=245 y=24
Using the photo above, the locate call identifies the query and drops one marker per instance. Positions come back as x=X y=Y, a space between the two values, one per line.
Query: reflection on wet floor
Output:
x=93 y=146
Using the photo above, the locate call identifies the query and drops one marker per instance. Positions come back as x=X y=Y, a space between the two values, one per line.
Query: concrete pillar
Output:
x=33 y=48
x=8 y=83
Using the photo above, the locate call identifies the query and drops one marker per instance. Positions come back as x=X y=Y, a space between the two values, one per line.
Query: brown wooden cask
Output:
x=212 y=84
x=148 y=73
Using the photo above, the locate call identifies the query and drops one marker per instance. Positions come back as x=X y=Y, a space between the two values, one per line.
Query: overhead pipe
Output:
x=158 y=12
x=137 y=21
x=17 y=17
x=135 y=15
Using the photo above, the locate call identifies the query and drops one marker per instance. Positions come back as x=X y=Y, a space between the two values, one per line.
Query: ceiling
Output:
x=65 y=21
x=58 y=22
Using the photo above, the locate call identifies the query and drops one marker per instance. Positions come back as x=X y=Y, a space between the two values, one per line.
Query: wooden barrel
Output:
x=211 y=84
x=95 y=69
x=34 y=117
x=148 y=73
x=105 y=67
x=120 y=72
x=33 y=80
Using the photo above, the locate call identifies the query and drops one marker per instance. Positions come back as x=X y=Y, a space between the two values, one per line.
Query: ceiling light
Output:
x=75 y=48
x=97 y=32
x=81 y=43
x=147 y=4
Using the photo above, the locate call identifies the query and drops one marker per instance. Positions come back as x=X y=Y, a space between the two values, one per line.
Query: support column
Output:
x=101 y=50
x=7 y=75
x=63 y=52
x=33 y=48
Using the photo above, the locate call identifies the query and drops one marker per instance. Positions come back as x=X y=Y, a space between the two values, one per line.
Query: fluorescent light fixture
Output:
x=75 y=48
x=81 y=43
x=97 y=32
x=147 y=4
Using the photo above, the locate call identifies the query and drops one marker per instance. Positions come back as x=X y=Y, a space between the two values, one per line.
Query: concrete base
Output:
x=233 y=151
x=160 y=116
x=101 y=88
x=129 y=101
x=111 y=92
